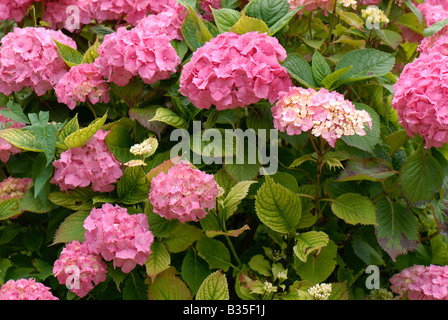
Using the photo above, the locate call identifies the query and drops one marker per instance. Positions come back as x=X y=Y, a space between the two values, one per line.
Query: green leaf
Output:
x=373 y=169
x=354 y=208
x=269 y=11
x=70 y=56
x=91 y=53
x=435 y=27
x=397 y=230
x=182 y=237
x=420 y=176
x=194 y=270
x=320 y=67
x=318 y=267
x=170 y=118
x=365 y=251
x=329 y=80
x=79 y=199
x=144 y=116
x=22 y=139
x=135 y=288
x=277 y=26
x=368 y=141
x=396 y=140
x=243 y=171
x=225 y=18
x=300 y=70
x=14 y=112
x=234 y=198
x=168 y=287
x=259 y=264
x=9 y=208
x=414 y=10
x=214 y=252
x=277 y=207
x=214 y=287
x=194 y=30
x=410 y=21
x=158 y=261
x=391 y=38
x=367 y=63
x=133 y=187
x=47 y=136
x=71 y=228
x=309 y=242
x=159 y=226
x=130 y=93
x=119 y=142
x=248 y=24
x=69 y=128
x=81 y=136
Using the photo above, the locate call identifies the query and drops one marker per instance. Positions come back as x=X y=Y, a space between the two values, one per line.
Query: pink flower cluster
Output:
x=233 y=70
x=326 y=114
x=437 y=43
x=84 y=267
x=421 y=98
x=422 y=282
x=371 y=2
x=29 y=58
x=92 y=164
x=158 y=6
x=183 y=193
x=130 y=10
x=128 y=53
x=167 y=23
x=310 y=5
x=14 y=9
x=25 y=289
x=7 y=149
x=14 y=187
x=434 y=10
x=60 y=15
x=81 y=82
x=119 y=236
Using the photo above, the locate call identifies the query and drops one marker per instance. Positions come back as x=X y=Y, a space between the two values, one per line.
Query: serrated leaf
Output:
x=119 y=142
x=249 y=24
x=182 y=237
x=277 y=207
x=397 y=231
x=22 y=139
x=419 y=177
x=9 y=208
x=225 y=18
x=366 y=252
x=167 y=286
x=300 y=70
x=320 y=67
x=170 y=118
x=144 y=115
x=234 y=198
x=243 y=171
x=230 y=233
x=194 y=30
x=158 y=261
x=194 y=270
x=70 y=56
x=69 y=128
x=354 y=208
x=309 y=242
x=71 y=228
x=81 y=136
x=134 y=288
x=391 y=38
x=79 y=199
x=330 y=79
x=133 y=186
x=91 y=53
x=14 y=112
x=259 y=264
x=214 y=252
x=214 y=287
x=270 y=11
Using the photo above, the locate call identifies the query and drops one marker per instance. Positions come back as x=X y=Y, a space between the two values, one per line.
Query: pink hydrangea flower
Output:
x=422 y=283
x=81 y=82
x=167 y=23
x=183 y=193
x=29 y=58
x=326 y=114
x=158 y=6
x=233 y=70
x=60 y=15
x=128 y=53
x=92 y=164
x=206 y=6
x=86 y=268
x=437 y=43
x=371 y=2
x=14 y=187
x=434 y=10
x=420 y=98
x=14 y=9
x=310 y=5
x=25 y=289
x=119 y=236
x=7 y=149
x=130 y=10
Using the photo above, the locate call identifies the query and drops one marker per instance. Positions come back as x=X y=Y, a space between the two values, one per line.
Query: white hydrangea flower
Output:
x=146 y=148
x=348 y=3
x=320 y=291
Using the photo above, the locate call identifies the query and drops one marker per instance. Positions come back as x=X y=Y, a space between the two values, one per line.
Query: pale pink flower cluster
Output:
x=14 y=187
x=128 y=53
x=25 y=289
x=14 y=9
x=183 y=193
x=370 y=2
x=129 y=10
x=434 y=10
x=206 y=6
x=421 y=98
x=310 y=5
x=233 y=70
x=29 y=58
x=77 y=263
x=422 y=282
x=7 y=149
x=119 y=236
x=438 y=43
x=60 y=15
x=158 y=6
x=92 y=164
x=326 y=114
x=167 y=23
x=81 y=82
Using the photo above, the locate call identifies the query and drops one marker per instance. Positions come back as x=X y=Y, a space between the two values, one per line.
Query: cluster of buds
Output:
x=348 y=3
x=320 y=291
x=374 y=16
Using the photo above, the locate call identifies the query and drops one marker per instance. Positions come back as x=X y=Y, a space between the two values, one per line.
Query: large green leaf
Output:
x=249 y=24
x=70 y=56
x=158 y=261
x=225 y=18
x=22 y=139
x=78 y=199
x=133 y=186
x=354 y=208
x=234 y=198
x=182 y=237
x=194 y=30
x=420 y=176
x=170 y=118
x=372 y=169
x=167 y=286
x=214 y=252
x=214 y=287
x=71 y=228
x=194 y=270
x=309 y=242
x=81 y=136
x=278 y=207
x=300 y=70
x=270 y=11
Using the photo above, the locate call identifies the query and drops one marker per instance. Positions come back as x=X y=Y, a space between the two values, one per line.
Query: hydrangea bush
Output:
x=223 y=149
